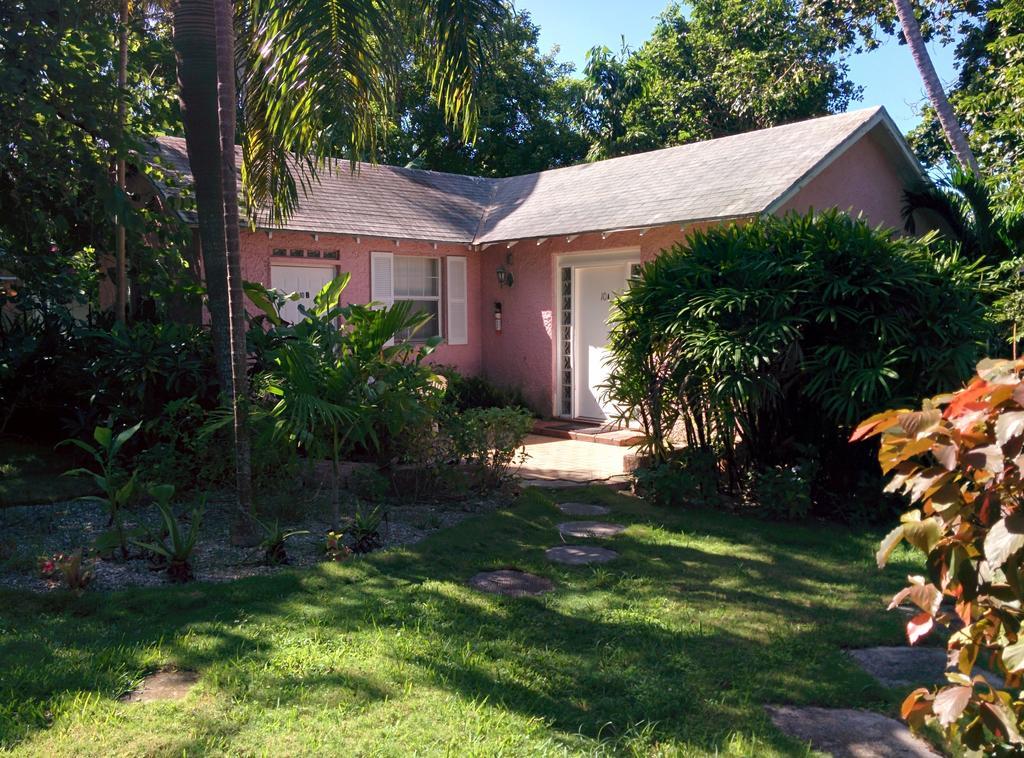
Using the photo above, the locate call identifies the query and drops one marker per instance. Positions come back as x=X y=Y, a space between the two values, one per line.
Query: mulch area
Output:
x=29 y=532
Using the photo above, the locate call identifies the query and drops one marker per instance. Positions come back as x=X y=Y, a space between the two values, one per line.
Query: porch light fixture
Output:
x=505 y=277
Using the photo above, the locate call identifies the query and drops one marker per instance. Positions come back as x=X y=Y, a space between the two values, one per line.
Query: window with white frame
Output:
x=418 y=281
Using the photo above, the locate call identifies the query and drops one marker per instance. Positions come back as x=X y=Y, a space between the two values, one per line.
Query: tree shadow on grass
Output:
x=691 y=639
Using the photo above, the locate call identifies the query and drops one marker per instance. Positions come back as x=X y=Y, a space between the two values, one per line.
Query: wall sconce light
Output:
x=505 y=276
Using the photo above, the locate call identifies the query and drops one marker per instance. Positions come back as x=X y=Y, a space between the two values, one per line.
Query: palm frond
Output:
x=316 y=74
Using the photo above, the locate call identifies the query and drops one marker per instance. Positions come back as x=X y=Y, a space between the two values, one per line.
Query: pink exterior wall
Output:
x=861 y=180
x=522 y=356
x=257 y=259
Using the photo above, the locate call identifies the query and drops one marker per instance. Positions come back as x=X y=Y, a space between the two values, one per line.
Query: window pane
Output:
x=430 y=329
x=417 y=277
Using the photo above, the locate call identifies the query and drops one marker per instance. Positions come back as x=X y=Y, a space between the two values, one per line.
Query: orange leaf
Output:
x=875 y=425
x=916 y=706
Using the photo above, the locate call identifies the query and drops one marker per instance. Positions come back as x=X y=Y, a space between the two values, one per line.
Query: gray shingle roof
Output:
x=376 y=200
x=741 y=175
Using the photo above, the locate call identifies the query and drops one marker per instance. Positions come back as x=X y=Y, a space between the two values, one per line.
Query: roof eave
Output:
x=881 y=117
x=684 y=222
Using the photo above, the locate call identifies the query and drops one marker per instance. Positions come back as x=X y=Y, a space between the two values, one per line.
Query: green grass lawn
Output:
x=31 y=473
x=671 y=650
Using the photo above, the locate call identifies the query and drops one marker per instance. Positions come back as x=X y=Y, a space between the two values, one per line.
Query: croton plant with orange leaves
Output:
x=959 y=460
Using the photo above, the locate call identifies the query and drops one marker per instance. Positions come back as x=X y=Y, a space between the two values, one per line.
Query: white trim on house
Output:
x=627 y=256
x=457 y=274
x=382 y=278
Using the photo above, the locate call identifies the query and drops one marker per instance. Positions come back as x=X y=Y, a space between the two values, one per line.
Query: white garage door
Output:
x=306 y=280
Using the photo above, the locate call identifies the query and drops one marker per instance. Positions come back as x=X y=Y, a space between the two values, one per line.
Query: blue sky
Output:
x=887 y=74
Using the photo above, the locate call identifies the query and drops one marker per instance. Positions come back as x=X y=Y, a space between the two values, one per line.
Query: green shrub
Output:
x=367 y=483
x=689 y=477
x=57 y=372
x=363 y=530
x=490 y=440
x=341 y=381
x=757 y=341
x=783 y=493
x=176 y=550
x=192 y=449
x=467 y=392
x=116 y=484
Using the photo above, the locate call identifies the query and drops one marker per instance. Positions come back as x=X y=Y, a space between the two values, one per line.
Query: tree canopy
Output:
x=725 y=67
x=58 y=94
x=525 y=107
x=988 y=95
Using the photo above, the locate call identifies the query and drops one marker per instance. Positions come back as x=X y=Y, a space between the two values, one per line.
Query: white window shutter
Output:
x=382 y=278
x=458 y=312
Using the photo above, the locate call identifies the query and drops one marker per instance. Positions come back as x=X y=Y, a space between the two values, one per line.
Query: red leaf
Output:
x=961 y=400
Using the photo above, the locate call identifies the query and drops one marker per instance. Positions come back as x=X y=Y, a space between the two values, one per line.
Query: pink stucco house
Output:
x=519 y=273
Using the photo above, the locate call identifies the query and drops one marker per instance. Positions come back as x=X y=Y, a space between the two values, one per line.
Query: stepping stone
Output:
x=580 y=555
x=163 y=685
x=847 y=733
x=590 y=529
x=511 y=582
x=583 y=509
x=909 y=666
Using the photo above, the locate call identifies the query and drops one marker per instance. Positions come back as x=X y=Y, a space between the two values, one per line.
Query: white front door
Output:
x=595 y=289
x=306 y=280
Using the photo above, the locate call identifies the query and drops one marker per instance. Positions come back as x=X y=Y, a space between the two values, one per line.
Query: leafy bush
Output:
x=491 y=439
x=959 y=460
x=333 y=391
x=363 y=531
x=755 y=341
x=117 y=485
x=272 y=542
x=689 y=477
x=179 y=545
x=467 y=392
x=783 y=493
x=136 y=370
x=60 y=372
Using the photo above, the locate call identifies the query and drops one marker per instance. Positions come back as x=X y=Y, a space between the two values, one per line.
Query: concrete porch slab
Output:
x=556 y=462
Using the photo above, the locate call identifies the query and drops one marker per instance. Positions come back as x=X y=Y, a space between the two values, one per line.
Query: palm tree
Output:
x=932 y=85
x=120 y=258
x=311 y=72
x=969 y=215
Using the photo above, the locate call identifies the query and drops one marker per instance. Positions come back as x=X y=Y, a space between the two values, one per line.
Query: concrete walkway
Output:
x=556 y=462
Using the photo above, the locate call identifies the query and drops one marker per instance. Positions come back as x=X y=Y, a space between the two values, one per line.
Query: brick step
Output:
x=588 y=432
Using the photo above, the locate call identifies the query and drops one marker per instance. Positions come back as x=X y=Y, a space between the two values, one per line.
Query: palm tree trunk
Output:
x=242 y=527
x=120 y=264
x=195 y=45
x=932 y=85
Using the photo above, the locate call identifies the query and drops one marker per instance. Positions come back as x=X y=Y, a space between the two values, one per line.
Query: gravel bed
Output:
x=28 y=532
